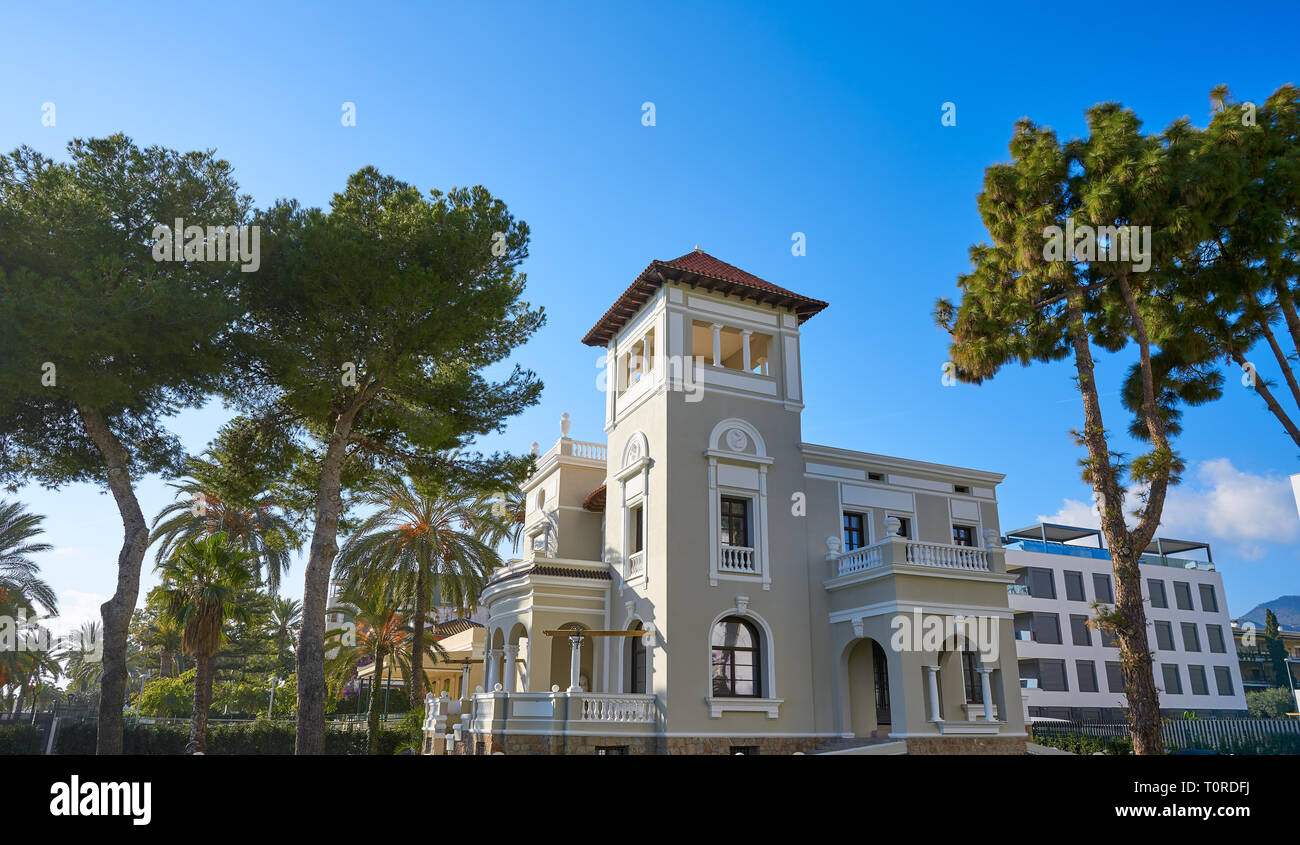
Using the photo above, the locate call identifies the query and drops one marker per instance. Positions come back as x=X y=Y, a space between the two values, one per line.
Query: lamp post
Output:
x=270 y=708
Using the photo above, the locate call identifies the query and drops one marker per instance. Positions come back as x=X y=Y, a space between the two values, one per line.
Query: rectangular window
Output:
x=1051 y=676
x=1183 y=595
x=855 y=531
x=1164 y=636
x=1196 y=676
x=1101 y=588
x=602 y=750
x=1191 y=641
x=904 y=526
x=1223 y=679
x=1173 y=681
x=1114 y=677
x=637 y=529
x=1209 y=602
x=1214 y=636
x=1108 y=639
x=1074 y=586
x=963 y=535
x=1157 y=590
x=1047 y=628
x=1087 y=671
x=1041 y=583
x=735 y=522
x=1079 y=630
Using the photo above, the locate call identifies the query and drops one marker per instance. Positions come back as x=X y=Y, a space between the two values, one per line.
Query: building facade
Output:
x=1070 y=670
x=707 y=582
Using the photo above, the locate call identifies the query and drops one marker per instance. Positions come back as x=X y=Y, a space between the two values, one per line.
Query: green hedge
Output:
x=246 y=739
x=20 y=739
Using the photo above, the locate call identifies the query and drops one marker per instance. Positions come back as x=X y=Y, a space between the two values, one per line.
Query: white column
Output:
x=717 y=344
x=490 y=656
x=932 y=680
x=464 y=680
x=575 y=663
x=986 y=689
x=512 y=652
x=744 y=345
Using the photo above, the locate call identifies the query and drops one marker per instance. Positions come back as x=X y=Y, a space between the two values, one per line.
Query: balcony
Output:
x=559 y=712
x=736 y=559
x=899 y=550
x=1017 y=589
x=635 y=565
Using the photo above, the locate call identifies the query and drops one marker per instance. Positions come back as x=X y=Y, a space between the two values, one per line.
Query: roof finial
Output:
x=697 y=248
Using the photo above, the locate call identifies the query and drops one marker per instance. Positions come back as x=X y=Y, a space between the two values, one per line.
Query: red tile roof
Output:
x=698 y=269
x=595 y=500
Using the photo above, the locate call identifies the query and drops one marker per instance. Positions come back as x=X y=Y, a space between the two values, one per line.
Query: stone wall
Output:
x=967 y=745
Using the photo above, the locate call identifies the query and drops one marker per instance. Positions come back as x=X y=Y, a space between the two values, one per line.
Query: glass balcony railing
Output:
x=1103 y=554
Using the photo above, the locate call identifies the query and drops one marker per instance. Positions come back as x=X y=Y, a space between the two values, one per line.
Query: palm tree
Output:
x=19 y=574
x=218 y=495
x=286 y=617
x=199 y=585
x=163 y=635
x=381 y=634
x=420 y=545
x=502 y=517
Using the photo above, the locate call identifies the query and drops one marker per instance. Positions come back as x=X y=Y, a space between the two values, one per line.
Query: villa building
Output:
x=707 y=582
x=1071 y=671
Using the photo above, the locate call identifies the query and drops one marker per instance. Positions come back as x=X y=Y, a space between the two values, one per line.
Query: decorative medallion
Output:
x=736 y=440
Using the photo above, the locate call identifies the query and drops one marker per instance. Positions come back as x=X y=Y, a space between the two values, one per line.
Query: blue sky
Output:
x=771 y=119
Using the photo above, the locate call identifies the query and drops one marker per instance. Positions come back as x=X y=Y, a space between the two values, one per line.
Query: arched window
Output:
x=636 y=655
x=736 y=659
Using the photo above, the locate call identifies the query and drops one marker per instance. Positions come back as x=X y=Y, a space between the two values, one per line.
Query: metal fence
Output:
x=1225 y=735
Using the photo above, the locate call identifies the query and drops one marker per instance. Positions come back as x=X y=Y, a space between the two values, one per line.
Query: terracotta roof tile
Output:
x=700 y=269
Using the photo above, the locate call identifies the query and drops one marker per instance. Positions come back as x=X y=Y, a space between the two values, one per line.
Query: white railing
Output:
x=635 y=564
x=952 y=557
x=584 y=449
x=859 y=560
x=736 y=559
x=617 y=708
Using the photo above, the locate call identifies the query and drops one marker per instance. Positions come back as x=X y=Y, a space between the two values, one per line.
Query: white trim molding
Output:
x=718 y=706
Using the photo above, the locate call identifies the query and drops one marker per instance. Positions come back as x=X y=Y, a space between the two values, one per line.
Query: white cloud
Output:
x=75 y=607
x=1216 y=502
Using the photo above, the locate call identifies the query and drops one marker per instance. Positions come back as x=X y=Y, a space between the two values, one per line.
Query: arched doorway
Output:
x=868 y=688
x=634 y=661
x=561 y=650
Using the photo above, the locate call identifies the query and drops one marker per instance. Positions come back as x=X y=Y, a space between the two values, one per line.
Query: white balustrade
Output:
x=952 y=557
x=859 y=560
x=617 y=708
x=585 y=449
x=635 y=564
x=736 y=559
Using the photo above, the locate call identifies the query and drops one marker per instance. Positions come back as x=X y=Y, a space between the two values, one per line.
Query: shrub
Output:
x=1271 y=703
x=20 y=739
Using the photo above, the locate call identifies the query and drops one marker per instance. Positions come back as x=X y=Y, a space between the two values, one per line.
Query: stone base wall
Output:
x=486 y=744
x=967 y=745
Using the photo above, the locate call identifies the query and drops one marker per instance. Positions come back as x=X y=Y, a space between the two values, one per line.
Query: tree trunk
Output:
x=117 y=610
x=417 y=641
x=372 y=717
x=1129 y=614
x=203 y=677
x=1274 y=407
x=310 y=734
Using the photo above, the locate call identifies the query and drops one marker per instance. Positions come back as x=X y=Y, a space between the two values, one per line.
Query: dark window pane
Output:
x=1074 y=586
x=1157 y=589
x=1173 y=681
x=1223 y=679
x=1191 y=641
x=1196 y=676
x=1164 y=636
x=1079 y=630
x=735 y=657
x=1101 y=588
x=1183 y=595
x=1214 y=636
x=1209 y=602
x=1087 y=671
x=1114 y=678
x=963 y=535
x=1041 y=583
x=1051 y=676
x=1047 y=628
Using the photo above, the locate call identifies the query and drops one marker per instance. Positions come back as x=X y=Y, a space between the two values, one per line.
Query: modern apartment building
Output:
x=708 y=582
x=1071 y=671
